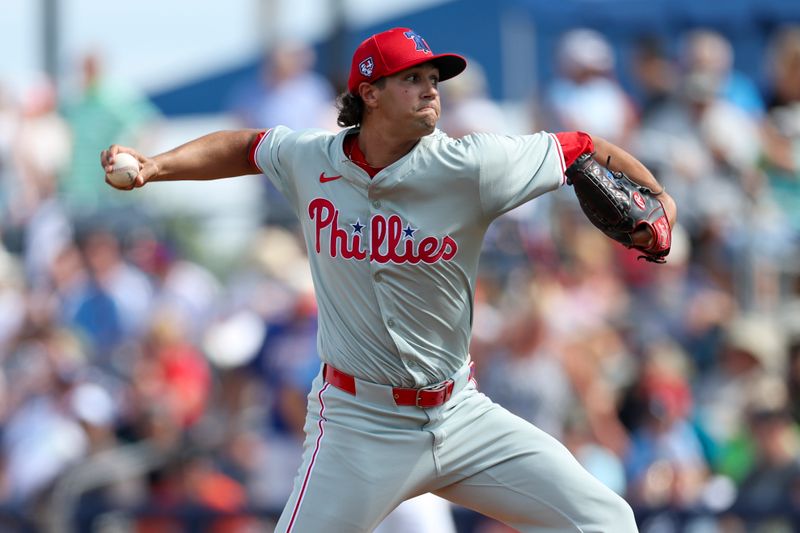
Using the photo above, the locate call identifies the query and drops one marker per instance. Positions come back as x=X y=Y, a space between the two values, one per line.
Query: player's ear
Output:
x=369 y=94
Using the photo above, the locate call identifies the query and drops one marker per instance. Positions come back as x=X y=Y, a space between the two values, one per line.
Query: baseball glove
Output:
x=618 y=207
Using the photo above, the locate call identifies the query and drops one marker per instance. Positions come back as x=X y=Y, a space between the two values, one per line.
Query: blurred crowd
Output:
x=134 y=376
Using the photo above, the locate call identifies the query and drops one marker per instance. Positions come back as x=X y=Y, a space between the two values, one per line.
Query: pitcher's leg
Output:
x=522 y=476
x=501 y=493
x=356 y=467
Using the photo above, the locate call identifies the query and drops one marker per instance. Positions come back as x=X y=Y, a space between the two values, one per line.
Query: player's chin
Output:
x=428 y=121
x=424 y=129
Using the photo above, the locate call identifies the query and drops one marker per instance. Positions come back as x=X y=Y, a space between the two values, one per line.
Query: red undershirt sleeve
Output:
x=574 y=144
x=251 y=153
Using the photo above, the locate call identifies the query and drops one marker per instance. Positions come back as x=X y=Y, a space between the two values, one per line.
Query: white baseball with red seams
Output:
x=126 y=168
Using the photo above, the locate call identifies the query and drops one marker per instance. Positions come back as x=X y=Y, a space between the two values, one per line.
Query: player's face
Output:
x=410 y=98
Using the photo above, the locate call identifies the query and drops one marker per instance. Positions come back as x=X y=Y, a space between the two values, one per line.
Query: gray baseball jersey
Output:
x=394 y=258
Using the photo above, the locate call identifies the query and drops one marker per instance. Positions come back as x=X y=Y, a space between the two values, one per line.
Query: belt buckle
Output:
x=436 y=387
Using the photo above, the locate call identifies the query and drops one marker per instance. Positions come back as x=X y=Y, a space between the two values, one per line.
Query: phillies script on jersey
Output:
x=386 y=233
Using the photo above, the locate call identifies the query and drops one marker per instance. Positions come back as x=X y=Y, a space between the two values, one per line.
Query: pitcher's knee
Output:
x=616 y=516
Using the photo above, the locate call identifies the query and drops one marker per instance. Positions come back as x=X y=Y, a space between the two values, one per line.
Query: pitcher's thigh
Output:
x=354 y=470
x=331 y=501
x=541 y=487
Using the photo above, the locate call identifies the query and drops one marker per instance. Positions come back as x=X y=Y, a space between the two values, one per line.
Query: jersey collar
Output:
x=397 y=170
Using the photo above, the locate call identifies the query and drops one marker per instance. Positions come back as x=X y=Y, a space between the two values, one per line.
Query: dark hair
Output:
x=351 y=109
x=351 y=106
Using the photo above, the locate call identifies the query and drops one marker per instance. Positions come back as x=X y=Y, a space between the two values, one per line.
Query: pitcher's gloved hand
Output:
x=621 y=208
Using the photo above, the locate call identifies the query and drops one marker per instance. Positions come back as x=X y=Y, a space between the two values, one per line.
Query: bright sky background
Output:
x=157 y=44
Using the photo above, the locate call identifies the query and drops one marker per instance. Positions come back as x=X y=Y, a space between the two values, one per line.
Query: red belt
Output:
x=431 y=396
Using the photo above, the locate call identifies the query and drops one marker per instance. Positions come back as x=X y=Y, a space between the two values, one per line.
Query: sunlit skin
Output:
x=398 y=113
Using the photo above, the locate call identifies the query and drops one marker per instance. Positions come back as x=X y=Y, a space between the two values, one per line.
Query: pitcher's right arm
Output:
x=222 y=154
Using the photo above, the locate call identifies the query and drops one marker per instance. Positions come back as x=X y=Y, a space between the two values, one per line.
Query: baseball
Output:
x=126 y=167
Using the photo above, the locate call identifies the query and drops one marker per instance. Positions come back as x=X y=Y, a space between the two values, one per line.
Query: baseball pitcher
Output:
x=394 y=212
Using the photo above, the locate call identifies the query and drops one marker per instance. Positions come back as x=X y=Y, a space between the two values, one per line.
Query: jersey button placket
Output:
x=376 y=204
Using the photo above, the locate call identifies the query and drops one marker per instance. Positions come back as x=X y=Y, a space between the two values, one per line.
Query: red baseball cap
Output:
x=391 y=51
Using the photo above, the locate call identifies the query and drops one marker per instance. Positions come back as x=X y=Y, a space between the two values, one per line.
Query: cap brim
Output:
x=449 y=65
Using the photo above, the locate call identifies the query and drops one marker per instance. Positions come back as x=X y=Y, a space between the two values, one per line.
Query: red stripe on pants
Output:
x=313 y=459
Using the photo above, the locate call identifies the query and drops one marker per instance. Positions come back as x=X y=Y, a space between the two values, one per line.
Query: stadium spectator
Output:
x=708 y=53
x=586 y=95
x=100 y=113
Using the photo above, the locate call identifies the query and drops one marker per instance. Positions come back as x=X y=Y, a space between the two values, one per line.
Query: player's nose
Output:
x=431 y=90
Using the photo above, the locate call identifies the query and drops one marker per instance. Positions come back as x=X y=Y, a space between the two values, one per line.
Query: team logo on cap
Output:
x=366 y=67
x=419 y=42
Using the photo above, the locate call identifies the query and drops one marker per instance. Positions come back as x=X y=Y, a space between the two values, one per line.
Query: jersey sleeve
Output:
x=271 y=153
x=516 y=169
